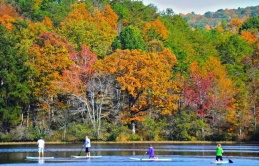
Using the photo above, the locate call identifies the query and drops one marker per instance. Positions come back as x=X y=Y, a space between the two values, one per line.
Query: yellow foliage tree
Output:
x=95 y=29
x=235 y=24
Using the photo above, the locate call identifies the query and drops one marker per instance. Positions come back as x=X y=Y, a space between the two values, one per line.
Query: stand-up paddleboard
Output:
x=220 y=162
x=84 y=157
x=38 y=158
x=151 y=159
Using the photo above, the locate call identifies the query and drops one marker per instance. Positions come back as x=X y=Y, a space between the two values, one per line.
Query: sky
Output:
x=199 y=6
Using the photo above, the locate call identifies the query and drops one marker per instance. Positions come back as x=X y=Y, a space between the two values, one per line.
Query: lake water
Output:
x=120 y=154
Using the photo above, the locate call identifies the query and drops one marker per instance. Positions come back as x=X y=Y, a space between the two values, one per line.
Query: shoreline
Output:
x=134 y=142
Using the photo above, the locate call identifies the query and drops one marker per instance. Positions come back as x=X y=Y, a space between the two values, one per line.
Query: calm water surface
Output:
x=120 y=154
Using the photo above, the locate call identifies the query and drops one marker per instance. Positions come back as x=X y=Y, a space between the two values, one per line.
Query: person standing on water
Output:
x=151 y=152
x=219 y=152
x=87 y=146
x=41 y=146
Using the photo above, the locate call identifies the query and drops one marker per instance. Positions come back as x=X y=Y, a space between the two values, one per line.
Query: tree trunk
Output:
x=133 y=128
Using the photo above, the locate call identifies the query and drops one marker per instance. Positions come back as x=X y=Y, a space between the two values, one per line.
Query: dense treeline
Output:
x=119 y=70
x=221 y=16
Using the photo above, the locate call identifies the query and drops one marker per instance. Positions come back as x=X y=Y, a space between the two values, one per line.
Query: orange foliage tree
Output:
x=7 y=15
x=49 y=57
x=7 y=10
x=155 y=30
x=145 y=78
x=249 y=37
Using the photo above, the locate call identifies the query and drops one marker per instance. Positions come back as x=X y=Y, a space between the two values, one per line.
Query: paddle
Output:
x=143 y=155
x=230 y=161
x=52 y=152
x=80 y=151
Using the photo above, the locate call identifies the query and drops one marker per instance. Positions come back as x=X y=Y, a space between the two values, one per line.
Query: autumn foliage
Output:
x=141 y=75
x=113 y=69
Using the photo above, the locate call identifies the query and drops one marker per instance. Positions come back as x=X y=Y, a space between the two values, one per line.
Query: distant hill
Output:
x=215 y=18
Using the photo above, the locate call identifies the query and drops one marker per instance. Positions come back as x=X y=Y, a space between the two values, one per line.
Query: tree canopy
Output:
x=113 y=69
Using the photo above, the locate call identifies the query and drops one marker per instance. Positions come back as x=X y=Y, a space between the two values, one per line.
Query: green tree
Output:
x=233 y=51
x=187 y=126
x=178 y=42
x=250 y=24
x=130 y=38
x=26 y=7
x=153 y=129
x=36 y=10
x=14 y=87
x=133 y=13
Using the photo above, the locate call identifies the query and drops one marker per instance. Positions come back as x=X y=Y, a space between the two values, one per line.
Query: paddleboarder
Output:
x=41 y=146
x=219 y=153
x=87 y=145
x=151 y=152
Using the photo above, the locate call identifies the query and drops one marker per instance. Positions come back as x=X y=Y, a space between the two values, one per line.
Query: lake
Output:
x=121 y=154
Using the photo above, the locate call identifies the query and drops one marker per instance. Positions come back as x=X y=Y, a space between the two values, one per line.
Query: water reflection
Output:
x=41 y=161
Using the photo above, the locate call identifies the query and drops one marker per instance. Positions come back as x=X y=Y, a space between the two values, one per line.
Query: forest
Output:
x=221 y=16
x=117 y=70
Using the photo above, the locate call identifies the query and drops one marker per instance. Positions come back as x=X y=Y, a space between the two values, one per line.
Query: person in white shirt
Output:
x=87 y=145
x=41 y=146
